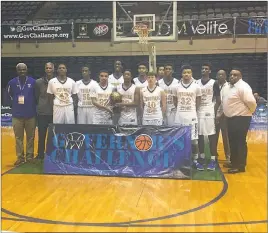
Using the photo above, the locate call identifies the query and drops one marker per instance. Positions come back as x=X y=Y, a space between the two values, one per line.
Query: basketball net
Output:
x=142 y=31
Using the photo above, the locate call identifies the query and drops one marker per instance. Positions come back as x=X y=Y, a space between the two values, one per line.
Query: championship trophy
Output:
x=116 y=98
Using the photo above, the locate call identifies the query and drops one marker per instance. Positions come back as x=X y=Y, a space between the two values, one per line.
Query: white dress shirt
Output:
x=238 y=99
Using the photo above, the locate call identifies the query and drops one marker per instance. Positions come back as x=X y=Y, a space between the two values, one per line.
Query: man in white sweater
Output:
x=238 y=105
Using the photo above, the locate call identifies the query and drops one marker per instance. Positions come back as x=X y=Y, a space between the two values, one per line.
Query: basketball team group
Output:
x=209 y=105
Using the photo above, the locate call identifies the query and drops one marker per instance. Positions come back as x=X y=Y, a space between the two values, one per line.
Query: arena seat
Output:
x=102 y=11
x=19 y=10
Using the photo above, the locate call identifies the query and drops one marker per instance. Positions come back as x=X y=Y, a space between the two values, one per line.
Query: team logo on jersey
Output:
x=143 y=142
x=101 y=30
x=29 y=85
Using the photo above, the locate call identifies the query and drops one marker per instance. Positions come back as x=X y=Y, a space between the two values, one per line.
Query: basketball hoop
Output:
x=142 y=31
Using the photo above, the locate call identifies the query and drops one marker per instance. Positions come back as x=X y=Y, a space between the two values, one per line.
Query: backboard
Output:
x=159 y=17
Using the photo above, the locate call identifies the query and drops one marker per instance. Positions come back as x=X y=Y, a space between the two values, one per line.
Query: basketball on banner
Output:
x=143 y=142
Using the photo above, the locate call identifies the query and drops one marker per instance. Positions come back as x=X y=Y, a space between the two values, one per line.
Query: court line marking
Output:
x=129 y=223
x=167 y=225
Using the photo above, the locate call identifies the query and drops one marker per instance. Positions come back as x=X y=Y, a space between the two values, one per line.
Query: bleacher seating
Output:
x=253 y=65
x=18 y=12
x=102 y=11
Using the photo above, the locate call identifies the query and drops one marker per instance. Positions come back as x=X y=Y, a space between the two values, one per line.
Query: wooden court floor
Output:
x=58 y=203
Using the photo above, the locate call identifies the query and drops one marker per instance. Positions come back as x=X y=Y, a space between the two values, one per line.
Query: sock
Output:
x=195 y=157
x=202 y=155
x=212 y=158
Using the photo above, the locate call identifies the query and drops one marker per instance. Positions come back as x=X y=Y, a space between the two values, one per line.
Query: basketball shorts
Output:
x=206 y=126
x=85 y=115
x=128 y=121
x=170 y=118
x=194 y=128
x=103 y=121
x=152 y=122
x=63 y=114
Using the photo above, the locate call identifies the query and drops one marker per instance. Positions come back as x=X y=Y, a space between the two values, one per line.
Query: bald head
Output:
x=21 y=70
x=221 y=76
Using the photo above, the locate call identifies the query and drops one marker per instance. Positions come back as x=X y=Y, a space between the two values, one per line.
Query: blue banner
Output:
x=260 y=116
x=148 y=151
x=6 y=116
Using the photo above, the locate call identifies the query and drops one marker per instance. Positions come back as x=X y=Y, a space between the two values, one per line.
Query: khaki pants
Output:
x=19 y=125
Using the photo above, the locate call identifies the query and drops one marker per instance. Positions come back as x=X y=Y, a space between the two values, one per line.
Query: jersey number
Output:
x=102 y=102
x=86 y=97
x=151 y=105
x=185 y=101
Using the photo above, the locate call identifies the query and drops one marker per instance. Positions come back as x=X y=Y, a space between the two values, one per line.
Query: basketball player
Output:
x=153 y=102
x=161 y=72
x=168 y=83
x=85 y=87
x=64 y=91
x=130 y=101
x=206 y=114
x=116 y=78
x=141 y=80
x=187 y=99
x=101 y=100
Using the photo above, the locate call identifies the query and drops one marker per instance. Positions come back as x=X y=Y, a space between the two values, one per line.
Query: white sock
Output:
x=212 y=158
x=195 y=157
x=202 y=155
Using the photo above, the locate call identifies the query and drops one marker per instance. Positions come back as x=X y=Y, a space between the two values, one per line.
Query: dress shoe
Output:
x=227 y=165
x=19 y=162
x=236 y=170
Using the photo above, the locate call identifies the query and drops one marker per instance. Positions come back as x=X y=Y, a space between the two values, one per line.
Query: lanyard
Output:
x=21 y=89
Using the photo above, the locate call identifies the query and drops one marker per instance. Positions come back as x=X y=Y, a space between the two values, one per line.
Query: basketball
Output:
x=143 y=142
x=116 y=97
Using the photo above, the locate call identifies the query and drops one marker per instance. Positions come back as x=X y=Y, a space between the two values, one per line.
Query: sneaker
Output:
x=198 y=166
x=202 y=160
x=212 y=165
x=19 y=162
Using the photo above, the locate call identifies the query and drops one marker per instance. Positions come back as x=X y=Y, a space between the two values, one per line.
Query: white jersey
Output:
x=103 y=98
x=140 y=84
x=186 y=96
x=128 y=114
x=168 y=89
x=114 y=81
x=206 y=109
x=152 y=103
x=85 y=93
x=62 y=91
